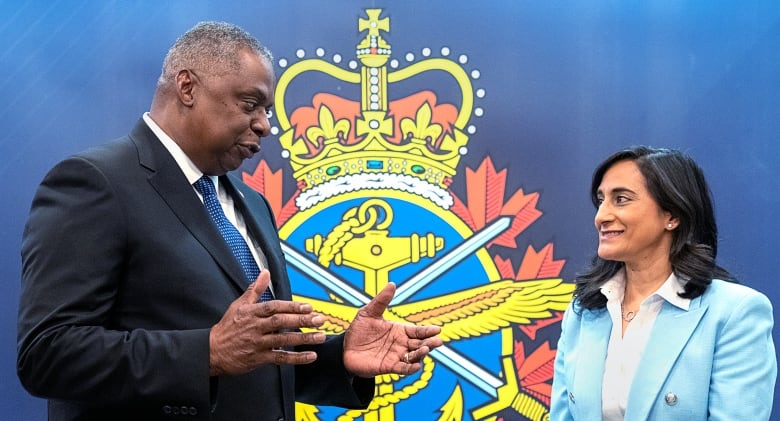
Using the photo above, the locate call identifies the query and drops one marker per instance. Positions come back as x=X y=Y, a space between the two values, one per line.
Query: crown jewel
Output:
x=337 y=144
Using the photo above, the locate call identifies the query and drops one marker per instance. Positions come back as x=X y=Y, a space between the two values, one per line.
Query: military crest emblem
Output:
x=375 y=152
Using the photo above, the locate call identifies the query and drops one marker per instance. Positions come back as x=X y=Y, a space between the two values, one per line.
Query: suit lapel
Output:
x=170 y=183
x=260 y=222
x=671 y=332
x=590 y=365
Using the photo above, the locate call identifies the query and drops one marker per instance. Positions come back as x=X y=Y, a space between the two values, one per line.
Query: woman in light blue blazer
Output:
x=657 y=330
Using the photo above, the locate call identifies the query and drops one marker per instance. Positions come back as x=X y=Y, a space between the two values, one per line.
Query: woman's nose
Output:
x=603 y=214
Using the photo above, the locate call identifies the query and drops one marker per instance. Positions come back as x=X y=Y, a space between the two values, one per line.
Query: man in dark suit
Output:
x=134 y=307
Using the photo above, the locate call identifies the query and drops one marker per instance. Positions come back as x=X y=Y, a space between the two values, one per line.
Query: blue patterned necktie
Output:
x=232 y=237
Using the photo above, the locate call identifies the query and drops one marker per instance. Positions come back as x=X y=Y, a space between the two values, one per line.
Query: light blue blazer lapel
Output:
x=671 y=332
x=592 y=350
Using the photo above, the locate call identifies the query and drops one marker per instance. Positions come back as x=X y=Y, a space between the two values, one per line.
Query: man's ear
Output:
x=185 y=82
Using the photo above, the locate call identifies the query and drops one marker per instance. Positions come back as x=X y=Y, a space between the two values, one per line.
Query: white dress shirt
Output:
x=625 y=350
x=193 y=174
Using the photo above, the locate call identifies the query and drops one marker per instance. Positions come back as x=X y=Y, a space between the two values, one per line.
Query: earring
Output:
x=669 y=225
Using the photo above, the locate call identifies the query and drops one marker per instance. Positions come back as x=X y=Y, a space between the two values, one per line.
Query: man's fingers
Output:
x=282 y=357
x=269 y=308
x=422 y=332
x=428 y=331
x=416 y=355
x=292 y=339
x=283 y=322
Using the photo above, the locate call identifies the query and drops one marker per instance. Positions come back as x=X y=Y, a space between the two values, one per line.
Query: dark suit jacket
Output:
x=123 y=274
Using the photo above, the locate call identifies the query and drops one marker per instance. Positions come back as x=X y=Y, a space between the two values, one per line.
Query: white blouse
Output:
x=625 y=350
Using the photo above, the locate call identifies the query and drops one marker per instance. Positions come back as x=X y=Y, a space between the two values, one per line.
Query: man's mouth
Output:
x=249 y=149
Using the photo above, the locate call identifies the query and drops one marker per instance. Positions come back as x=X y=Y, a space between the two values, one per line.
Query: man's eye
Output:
x=269 y=112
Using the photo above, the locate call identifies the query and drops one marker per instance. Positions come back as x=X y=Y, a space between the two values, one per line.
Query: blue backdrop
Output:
x=566 y=83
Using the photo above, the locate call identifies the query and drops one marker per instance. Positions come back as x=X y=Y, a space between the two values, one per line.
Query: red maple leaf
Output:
x=485 y=189
x=535 y=265
x=532 y=329
x=535 y=371
x=269 y=184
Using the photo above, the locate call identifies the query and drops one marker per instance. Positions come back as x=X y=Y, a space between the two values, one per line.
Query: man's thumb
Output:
x=256 y=288
x=377 y=306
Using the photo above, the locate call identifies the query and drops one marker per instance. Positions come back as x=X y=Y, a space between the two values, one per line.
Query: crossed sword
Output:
x=456 y=362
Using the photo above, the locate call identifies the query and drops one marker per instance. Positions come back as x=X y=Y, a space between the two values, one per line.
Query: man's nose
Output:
x=260 y=123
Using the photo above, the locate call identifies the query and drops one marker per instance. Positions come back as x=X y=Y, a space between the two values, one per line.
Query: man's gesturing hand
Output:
x=251 y=334
x=373 y=345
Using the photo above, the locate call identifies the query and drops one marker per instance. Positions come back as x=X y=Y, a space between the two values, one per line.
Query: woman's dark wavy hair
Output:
x=677 y=184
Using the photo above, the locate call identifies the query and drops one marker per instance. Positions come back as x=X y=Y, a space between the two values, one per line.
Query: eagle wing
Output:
x=487 y=308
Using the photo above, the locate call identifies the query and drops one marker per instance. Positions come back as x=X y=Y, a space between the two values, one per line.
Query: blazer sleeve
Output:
x=559 y=404
x=744 y=366
x=74 y=253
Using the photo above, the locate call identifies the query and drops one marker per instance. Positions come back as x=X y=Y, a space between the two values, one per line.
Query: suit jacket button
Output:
x=166 y=409
x=671 y=399
x=193 y=410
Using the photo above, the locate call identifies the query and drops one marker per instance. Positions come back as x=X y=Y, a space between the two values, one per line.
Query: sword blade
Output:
x=465 y=368
x=450 y=259
x=327 y=279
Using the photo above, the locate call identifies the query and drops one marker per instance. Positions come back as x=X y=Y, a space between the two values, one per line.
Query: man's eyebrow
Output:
x=263 y=96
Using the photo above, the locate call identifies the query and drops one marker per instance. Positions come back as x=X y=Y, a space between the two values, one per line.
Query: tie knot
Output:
x=205 y=186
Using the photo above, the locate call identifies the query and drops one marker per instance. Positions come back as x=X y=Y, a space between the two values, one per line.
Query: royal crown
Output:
x=337 y=144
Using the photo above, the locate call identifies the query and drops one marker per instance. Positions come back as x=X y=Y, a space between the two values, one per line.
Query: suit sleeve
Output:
x=74 y=251
x=326 y=381
x=559 y=404
x=744 y=365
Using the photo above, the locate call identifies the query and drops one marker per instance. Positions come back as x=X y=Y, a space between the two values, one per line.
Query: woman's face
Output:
x=632 y=228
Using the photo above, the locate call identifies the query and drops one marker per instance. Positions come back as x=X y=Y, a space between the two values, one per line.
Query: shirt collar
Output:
x=670 y=291
x=185 y=163
x=615 y=288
